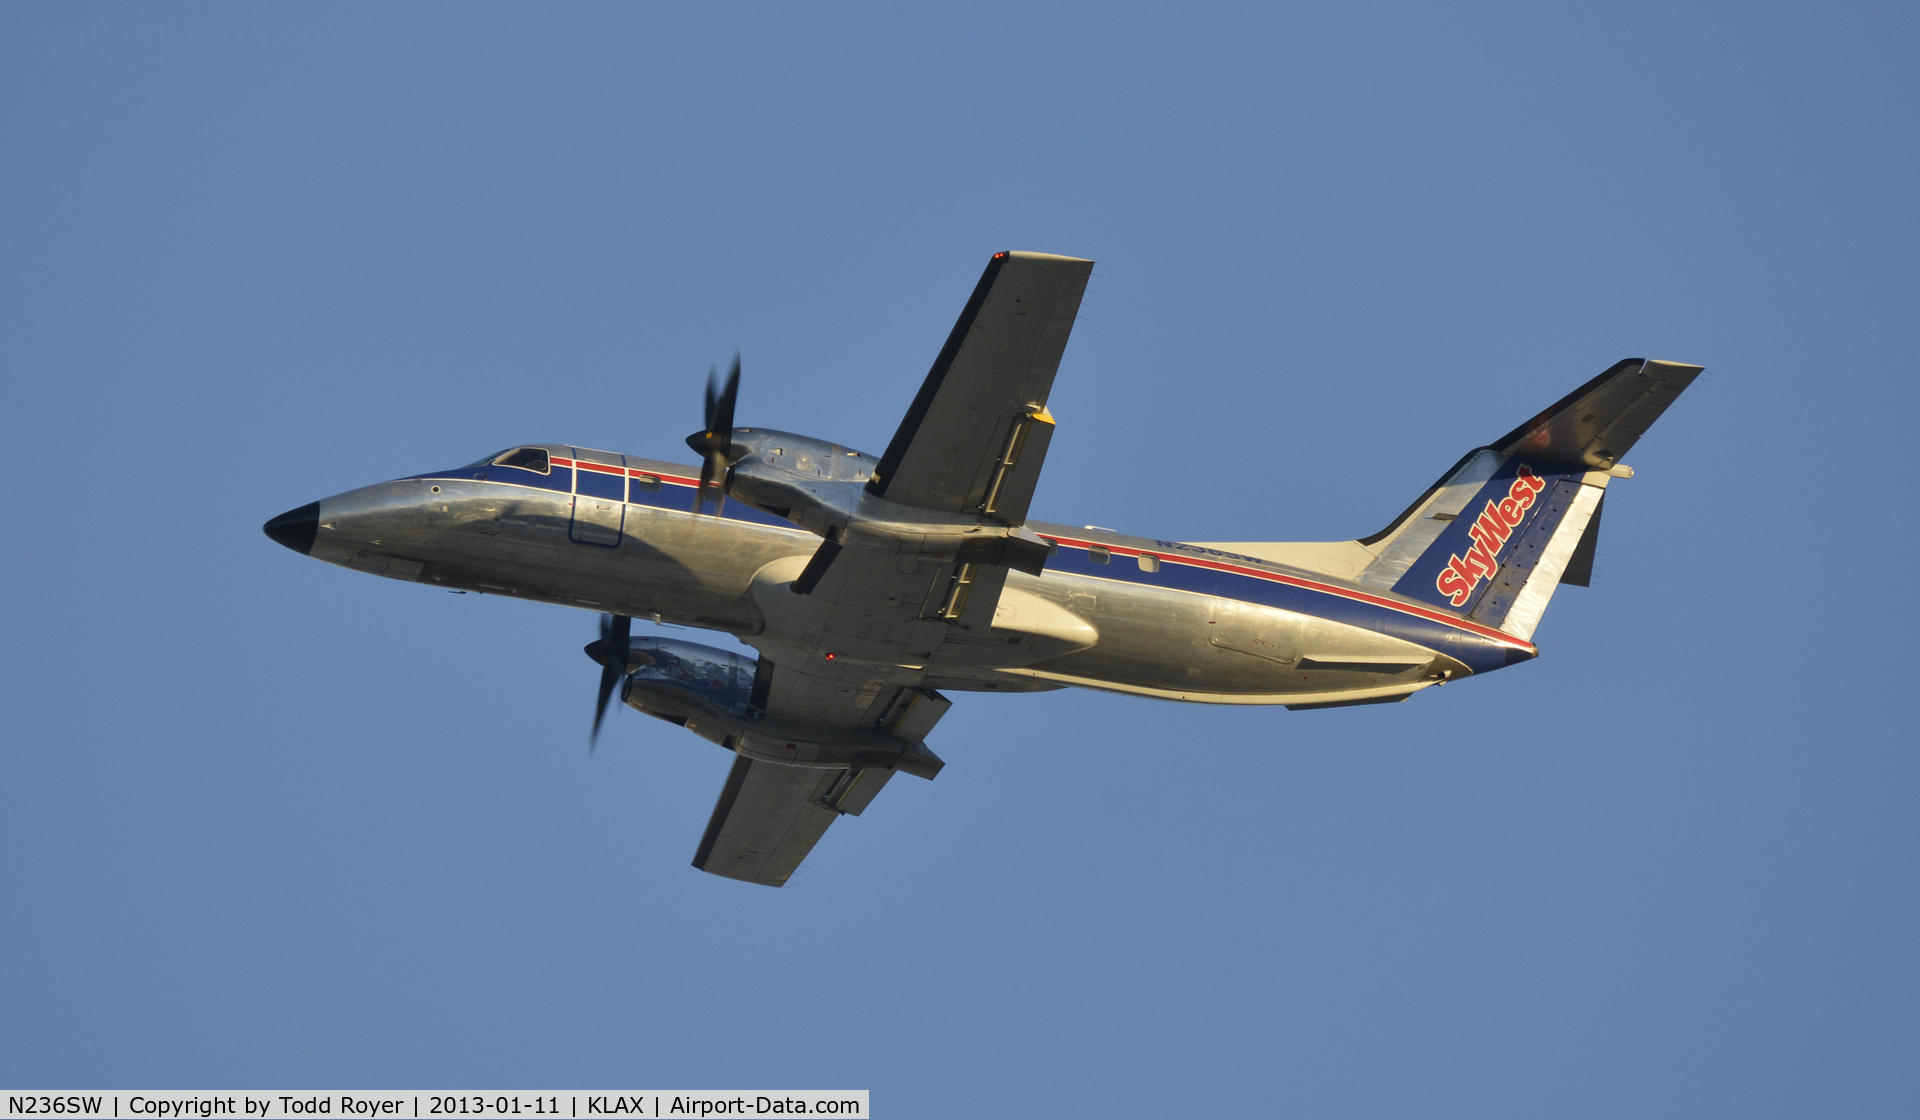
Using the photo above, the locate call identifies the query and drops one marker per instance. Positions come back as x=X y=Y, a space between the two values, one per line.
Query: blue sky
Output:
x=269 y=823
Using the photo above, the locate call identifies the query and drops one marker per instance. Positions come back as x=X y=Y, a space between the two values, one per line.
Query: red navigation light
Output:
x=997 y=256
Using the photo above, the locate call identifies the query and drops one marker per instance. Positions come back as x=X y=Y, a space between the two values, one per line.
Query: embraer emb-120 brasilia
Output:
x=870 y=587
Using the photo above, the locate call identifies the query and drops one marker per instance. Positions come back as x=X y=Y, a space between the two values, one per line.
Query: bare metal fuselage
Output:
x=871 y=586
x=1112 y=612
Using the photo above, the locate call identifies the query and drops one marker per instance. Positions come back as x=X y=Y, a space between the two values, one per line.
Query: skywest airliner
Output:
x=872 y=587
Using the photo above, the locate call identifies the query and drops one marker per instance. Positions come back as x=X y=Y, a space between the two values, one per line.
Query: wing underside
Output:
x=771 y=814
x=976 y=434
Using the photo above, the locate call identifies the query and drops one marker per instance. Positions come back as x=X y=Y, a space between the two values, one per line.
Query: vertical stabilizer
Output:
x=1511 y=521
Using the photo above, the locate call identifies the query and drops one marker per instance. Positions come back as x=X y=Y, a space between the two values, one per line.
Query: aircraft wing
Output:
x=770 y=815
x=977 y=432
x=768 y=818
x=972 y=443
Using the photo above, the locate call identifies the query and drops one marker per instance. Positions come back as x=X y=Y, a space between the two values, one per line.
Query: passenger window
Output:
x=526 y=458
x=1099 y=554
x=648 y=482
x=1149 y=562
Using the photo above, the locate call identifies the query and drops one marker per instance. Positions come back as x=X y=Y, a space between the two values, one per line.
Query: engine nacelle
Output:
x=821 y=487
x=810 y=482
x=671 y=679
x=710 y=693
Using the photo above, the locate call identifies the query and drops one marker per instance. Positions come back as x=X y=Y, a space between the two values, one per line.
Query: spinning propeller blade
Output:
x=714 y=443
x=610 y=651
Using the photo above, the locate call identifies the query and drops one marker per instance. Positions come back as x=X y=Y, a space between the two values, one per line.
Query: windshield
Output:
x=526 y=458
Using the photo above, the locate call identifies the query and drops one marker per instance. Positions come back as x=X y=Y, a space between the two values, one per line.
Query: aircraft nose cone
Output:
x=296 y=528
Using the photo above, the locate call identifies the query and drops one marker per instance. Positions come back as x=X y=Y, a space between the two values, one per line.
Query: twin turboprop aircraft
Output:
x=872 y=587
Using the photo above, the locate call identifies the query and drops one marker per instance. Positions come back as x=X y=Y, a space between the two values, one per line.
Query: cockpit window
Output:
x=483 y=461
x=526 y=458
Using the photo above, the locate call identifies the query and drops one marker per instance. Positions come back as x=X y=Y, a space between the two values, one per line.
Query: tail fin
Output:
x=1514 y=519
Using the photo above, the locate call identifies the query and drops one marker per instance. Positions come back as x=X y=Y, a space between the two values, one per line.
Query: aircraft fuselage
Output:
x=616 y=534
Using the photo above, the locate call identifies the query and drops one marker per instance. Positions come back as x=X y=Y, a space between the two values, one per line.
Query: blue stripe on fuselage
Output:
x=1472 y=650
x=1478 y=653
x=679 y=496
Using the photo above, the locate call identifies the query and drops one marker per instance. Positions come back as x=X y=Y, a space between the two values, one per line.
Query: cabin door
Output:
x=599 y=497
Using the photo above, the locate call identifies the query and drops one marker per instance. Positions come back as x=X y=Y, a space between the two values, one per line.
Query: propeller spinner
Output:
x=715 y=442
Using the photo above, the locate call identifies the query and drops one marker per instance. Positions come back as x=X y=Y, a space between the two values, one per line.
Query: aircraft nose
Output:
x=296 y=528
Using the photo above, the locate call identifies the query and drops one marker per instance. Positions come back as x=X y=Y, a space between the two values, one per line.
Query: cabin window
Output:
x=527 y=459
x=1099 y=554
x=1149 y=562
x=647 y=482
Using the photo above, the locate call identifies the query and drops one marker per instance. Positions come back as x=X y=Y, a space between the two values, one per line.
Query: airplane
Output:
x=870 y=588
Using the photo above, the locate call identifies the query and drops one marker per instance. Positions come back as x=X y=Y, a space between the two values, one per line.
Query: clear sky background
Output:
x=268 y=823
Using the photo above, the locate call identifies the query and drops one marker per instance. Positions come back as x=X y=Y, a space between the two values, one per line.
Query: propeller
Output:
x=715 y=442
x=610 y=651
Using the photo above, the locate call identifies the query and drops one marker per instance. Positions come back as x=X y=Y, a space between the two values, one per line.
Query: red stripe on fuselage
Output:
x=1190 y=561
x=630 y=472
x=1310 y=585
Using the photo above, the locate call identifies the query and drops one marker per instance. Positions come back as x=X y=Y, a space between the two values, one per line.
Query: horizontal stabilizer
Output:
x=1599 y=422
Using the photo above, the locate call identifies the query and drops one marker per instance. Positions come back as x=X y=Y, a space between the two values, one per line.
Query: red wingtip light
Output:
x=997 y=256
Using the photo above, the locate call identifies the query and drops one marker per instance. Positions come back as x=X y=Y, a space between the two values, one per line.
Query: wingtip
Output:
x=1056 y=257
